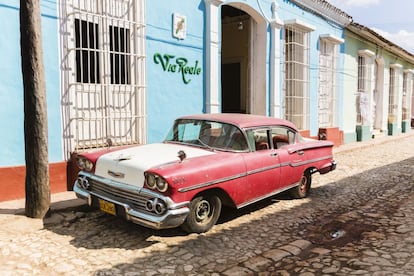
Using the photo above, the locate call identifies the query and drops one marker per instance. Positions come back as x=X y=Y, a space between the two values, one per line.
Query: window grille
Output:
x=120 y=51
x=296 y=67
x=393 y=95
x=362 y=74
x=103 y=73
x=87 y=52
x=327 y=83
x=364 y=87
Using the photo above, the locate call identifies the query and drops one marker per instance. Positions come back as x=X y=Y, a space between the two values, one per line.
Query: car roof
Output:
x=242 y=120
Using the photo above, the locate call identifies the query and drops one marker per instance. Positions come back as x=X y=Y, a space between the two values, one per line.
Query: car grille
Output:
x=134 y=199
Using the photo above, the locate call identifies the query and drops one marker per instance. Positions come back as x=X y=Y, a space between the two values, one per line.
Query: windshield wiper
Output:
x=204 y=144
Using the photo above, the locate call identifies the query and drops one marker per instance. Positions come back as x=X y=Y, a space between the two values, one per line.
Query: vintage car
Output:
x=205 y=162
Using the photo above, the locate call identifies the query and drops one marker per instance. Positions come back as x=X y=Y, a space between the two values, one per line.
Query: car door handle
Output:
x=273 y=154
x=301 y=152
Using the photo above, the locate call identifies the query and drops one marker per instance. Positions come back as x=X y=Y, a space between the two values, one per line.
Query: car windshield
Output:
x=208 y=134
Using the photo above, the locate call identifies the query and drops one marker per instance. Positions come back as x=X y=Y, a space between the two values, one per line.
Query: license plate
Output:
x=107 y=207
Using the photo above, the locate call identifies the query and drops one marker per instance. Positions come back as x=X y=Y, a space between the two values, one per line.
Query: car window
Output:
x=259 y=139
x=185 y=131
x=208 y=134
x=282 y=136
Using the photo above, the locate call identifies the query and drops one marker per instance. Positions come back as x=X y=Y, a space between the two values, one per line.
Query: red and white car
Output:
x=206 y=161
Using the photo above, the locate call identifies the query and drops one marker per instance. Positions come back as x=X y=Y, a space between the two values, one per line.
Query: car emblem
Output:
x=122 y=157
x=116 y=174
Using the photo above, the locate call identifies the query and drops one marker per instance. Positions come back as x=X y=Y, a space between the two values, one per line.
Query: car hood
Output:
x=128 y=165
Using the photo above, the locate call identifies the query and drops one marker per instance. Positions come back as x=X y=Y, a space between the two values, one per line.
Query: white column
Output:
x=398 y=92
x=411 y=97
x=406 y=97
x=212 y=56
x=275 y=26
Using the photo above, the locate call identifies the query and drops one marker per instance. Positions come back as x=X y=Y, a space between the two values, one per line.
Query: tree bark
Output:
x=35 y=111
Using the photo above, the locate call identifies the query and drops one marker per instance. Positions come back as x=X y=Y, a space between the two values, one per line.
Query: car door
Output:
x=291 y=155
x=262 y=166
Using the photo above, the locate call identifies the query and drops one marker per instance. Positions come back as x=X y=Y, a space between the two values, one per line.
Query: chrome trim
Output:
x=333 y=167
x=275 y=192
x=83 y=182
x=210 y=183
x=224 y=179
x=328 y=168
x=298 y=164
x=228 y=178
x=174 y=215
x=306 y=147
x=116 y=174
x=268 y=168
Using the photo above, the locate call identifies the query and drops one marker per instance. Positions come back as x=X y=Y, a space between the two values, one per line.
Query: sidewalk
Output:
x=59 y=201
x=65 y=200
x=379 y=139
x=13 y=221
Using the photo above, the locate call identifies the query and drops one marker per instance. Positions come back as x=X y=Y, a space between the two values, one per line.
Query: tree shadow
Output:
x=241 y=234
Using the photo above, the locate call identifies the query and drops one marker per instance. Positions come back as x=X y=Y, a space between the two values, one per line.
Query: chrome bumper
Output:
x=328 y=168
x=333 y=166
x=174 y=215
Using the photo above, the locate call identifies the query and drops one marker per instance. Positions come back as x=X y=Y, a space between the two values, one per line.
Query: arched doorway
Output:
x=243 y=78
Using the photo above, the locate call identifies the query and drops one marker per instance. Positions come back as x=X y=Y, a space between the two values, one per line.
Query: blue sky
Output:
x=392 y=19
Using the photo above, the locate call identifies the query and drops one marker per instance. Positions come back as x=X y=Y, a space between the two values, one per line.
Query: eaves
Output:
x=380 y=41
x=326 y=10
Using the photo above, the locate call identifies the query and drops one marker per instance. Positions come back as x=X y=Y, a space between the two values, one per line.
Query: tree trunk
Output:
x=35 y=112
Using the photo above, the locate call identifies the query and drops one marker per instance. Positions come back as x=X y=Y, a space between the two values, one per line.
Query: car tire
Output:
x=302 y=190
x=204 y=213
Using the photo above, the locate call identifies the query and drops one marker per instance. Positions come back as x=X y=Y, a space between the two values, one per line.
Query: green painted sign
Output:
x=171 y=64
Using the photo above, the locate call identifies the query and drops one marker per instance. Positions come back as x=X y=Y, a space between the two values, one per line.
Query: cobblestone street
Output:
x=358 y=220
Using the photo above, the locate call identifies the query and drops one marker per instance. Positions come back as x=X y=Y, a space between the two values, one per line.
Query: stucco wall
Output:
x=289 y=11
x=11 y=88
x=167 y=95
x=380 y=97
x=350 y=88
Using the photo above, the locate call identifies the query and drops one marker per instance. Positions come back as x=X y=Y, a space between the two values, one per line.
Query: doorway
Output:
x=234 y=60
x=231 y=88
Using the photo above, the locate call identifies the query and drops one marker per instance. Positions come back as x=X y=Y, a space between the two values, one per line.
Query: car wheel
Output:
x=204 y=213
x=302 y=190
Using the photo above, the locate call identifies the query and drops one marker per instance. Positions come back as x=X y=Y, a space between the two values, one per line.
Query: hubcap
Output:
x=203 y=210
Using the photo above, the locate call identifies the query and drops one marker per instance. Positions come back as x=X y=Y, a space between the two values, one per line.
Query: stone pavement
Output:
x=359 y=220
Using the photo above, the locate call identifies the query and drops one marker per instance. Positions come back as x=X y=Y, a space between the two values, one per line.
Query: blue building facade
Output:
x=124 y=70
x=273 y=46
x=11 y=88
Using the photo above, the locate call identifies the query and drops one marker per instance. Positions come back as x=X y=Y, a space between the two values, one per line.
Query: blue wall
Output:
x=11 y=88
x=167 y=95
x=288 y=10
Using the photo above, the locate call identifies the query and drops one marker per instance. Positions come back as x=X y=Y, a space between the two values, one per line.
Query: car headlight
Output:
x=84 y=163
x=156 y=182
x=151 y=181
x=162 y=185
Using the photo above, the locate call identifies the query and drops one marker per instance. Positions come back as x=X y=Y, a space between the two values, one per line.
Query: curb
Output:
x=372 y=142
x=58 y=202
